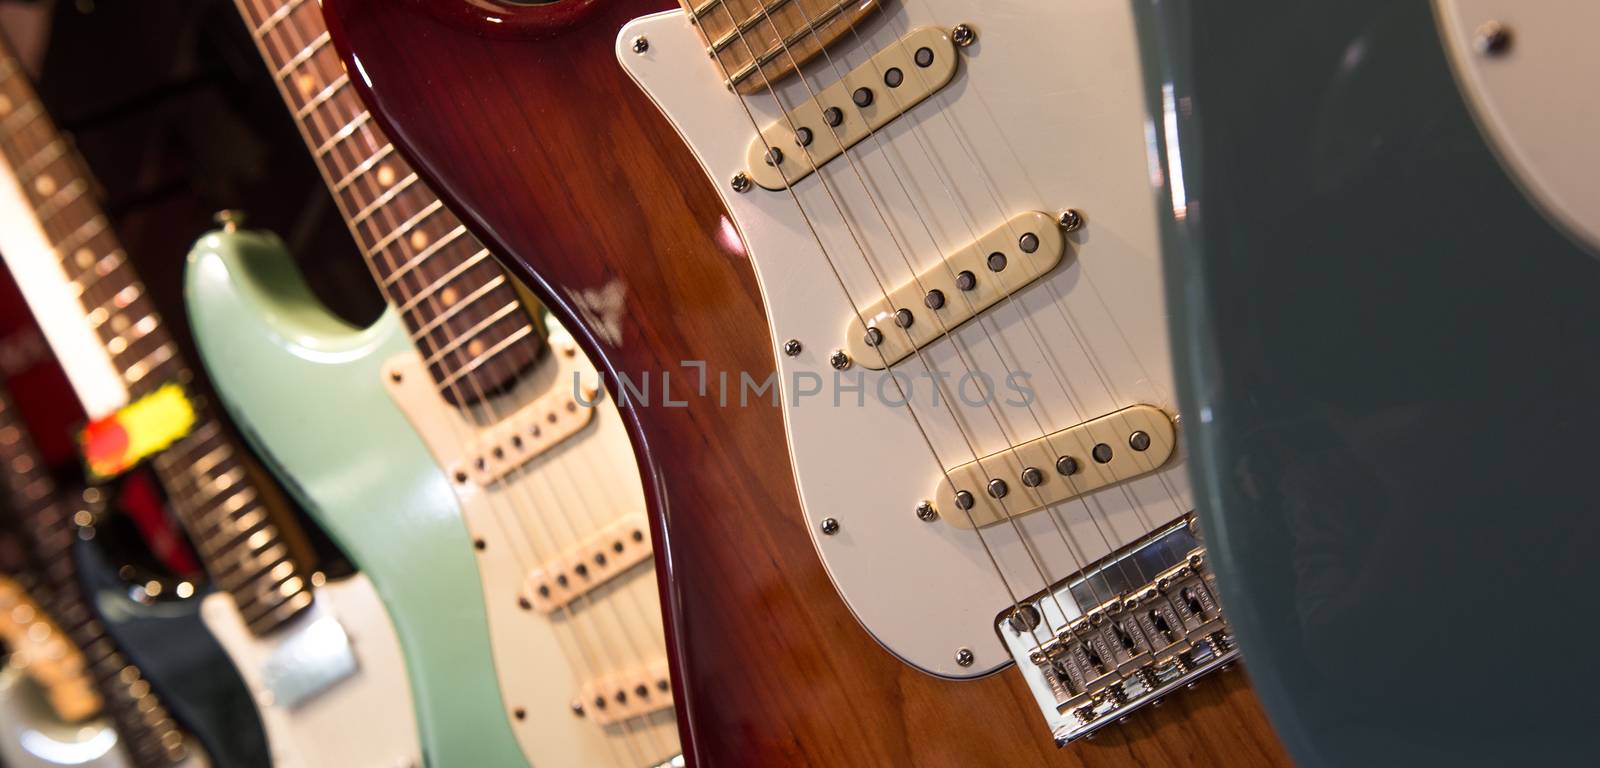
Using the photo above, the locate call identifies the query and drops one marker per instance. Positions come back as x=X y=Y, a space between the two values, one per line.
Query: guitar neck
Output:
x=45 y=520
x=73 y=249
x=463 y=311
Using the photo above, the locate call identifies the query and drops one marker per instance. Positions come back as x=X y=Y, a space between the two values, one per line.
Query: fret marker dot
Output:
x=83 y=258
x=448 y=296
x=119 y=323
x=475 y=347
x=419 y=239
x=385 y=175
x=306 y=83
x=44 y=185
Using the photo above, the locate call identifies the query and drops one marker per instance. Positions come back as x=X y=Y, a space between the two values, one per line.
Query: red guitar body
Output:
x=522 y=119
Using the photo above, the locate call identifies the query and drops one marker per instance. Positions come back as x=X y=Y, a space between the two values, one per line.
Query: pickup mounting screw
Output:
x=830 y=526
x=792 y=347
x=1492 y=39
x=963 y=35
x=964 y=657
x=1139 y=441
x=839 y=360
x=741 y=182
x=1071 y=220
x=640 y=44
x=925 y=512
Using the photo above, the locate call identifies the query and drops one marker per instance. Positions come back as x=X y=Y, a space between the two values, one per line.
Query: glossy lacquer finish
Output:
x=1391 y=354
x=306 y=389
x=543 y=145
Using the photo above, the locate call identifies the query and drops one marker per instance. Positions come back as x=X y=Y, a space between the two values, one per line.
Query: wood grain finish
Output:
x=554 y=158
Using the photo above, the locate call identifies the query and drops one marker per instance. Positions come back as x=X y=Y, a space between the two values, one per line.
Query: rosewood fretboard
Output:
x=206 y=482
x=44 y=519
x=462 y=309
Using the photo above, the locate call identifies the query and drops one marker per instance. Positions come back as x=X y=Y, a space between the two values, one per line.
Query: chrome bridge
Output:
x=1120 y=634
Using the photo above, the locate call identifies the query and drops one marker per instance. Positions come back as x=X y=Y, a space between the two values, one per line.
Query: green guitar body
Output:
x=306 y=390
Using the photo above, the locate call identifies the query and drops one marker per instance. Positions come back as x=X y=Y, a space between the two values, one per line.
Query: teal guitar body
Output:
x=306 y=390
x=1387 y=337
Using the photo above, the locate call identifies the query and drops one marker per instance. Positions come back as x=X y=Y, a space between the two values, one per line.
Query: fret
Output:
x=366 y=165
x=43 y=158
x=477 y=328
x=282 y=12
x=744 y=27
x=466 y=301
x=325 y=94
x=434 y=287
x=133 y=374
x=20 y=119
x=702 y=10
x=488 y=354
x=60 y=198
x=384 y=199
x=406 y=226
x=83 y=233
x=305 y=54
x=349 y=128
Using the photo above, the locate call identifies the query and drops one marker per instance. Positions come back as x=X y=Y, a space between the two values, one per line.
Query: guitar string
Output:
x=1068 y=540
x=838 y=276
x=915 y=129
x=1023 y=536
x=566 y=612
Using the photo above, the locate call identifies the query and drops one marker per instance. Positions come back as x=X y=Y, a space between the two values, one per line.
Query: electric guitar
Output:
x=47 y=702
x=1383 y=291
x=479 y=436
x=904 y=254
x=61 y=641
x=271 y=613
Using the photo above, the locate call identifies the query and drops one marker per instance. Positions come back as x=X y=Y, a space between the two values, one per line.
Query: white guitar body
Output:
x=31 y=736
x=545 y=508
x=362 y=720
x=1046 y=112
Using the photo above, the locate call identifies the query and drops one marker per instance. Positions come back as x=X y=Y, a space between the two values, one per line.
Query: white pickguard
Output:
x=364 y=721
x=555 y=501
x=1046 y=112
x=1537 y=102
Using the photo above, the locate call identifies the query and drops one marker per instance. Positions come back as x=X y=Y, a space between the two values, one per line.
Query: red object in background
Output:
x=45 y=400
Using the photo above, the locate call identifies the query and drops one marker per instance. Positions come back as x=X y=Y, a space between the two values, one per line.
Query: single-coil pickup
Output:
x=955 y=290
x=535 y=428
x=1058 y=467
x=600 y=558
x=864 y=100
x=615 y=698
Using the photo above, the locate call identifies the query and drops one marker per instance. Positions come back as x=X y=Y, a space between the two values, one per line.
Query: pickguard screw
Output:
x=839 y=360
x=963 y=35
x=640 y=44
x=830 y=526
x=741 y=182
x=964 y=657
x=792 y=347
x=926 y=513
x=1139 y=441
x=1071 y=220
x=1492 y=39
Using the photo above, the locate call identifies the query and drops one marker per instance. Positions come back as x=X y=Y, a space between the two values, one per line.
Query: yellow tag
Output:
x=137 y=431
